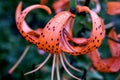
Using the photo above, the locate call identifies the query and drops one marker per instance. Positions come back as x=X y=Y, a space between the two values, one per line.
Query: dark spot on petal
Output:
x=41 y=33
x=60 y=31
x=38 y=42
x=48 y=28
x=51 y=39
x=94 y=45
x=22 y=32
x=96 y=28
x=97 y=40
x=57 y=44
x=43 y=36
x=95 y=37
x=57 y=39
x=48 y=46
x=56 y=48
x=49 y=23
x=53 y=29
x=52 y=49
x=99 y=26
x=52 y=46
x=101 y=33
x=84 y=51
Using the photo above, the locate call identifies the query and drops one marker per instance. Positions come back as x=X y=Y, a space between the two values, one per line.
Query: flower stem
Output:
x=19 y=60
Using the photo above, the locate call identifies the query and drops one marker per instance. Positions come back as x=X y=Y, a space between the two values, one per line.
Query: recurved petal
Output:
x=114 y=47
x=104 y=65
x=29 y=34
x=89 y=44
x=50 y=38
x=113 y=8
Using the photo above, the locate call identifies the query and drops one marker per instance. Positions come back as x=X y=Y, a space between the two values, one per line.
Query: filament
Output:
x=41 y=65
x=70 y=74
x=19 y=60
x=53 y=67
x=72 y=67
x=57 y=67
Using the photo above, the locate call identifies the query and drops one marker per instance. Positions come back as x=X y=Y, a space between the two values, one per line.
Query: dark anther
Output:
x=72 y=10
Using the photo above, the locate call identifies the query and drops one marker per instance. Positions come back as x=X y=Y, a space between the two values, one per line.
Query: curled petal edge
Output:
x=29 y=34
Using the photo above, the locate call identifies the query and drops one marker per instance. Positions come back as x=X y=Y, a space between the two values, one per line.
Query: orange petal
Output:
x=43 y=2
x=114 y=47
x=50 y=38
x=113 y=8
x=96 y=36
x=29 y=34
x=60 y=5
x=106 y=65
x=119 y=36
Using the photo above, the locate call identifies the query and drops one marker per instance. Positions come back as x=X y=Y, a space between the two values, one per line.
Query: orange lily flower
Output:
x=57 y=34
x=111 y=64
x=113 y=8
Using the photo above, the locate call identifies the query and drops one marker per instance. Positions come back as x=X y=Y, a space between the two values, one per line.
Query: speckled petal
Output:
x=113 y=8
x=91 y=43
x=29 y=34
x=50 y=38
x=104 y=65
x=114 y=47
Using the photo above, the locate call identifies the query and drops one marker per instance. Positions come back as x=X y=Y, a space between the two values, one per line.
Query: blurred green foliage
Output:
x=12 y=43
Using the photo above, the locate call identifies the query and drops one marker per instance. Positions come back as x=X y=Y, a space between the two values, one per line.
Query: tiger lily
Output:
x=111 y=64
x=113 y=8
x=57 y=34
